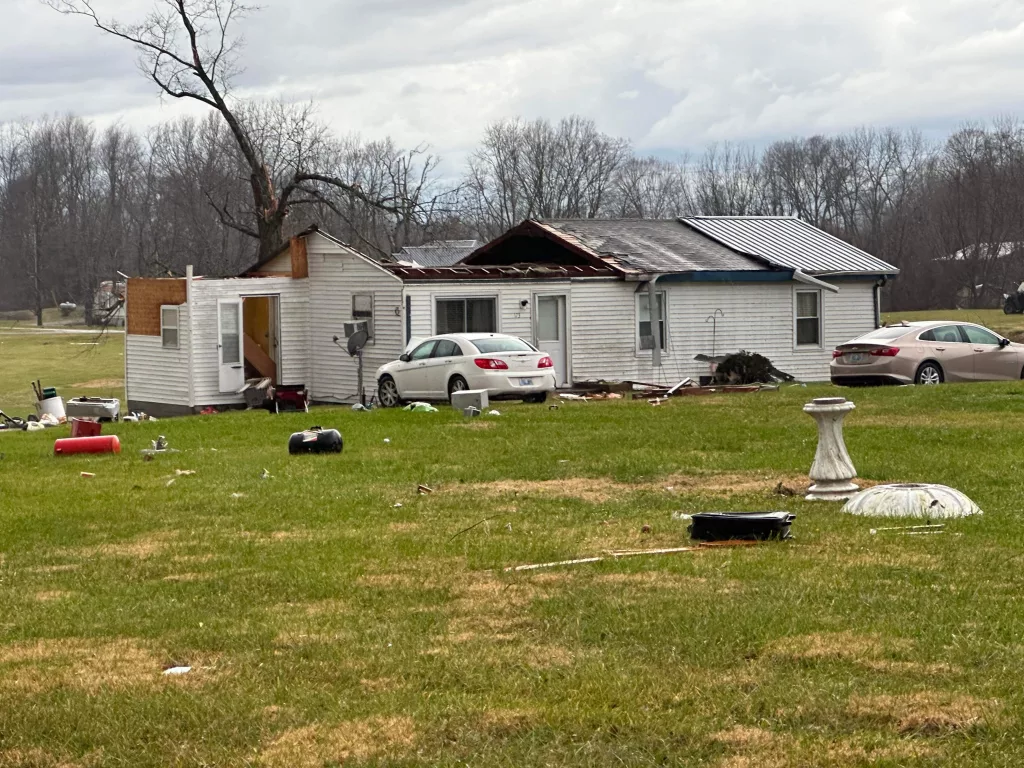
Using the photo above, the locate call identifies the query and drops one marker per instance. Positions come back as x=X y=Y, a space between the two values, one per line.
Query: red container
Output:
x=85 y=428
x=72 y=445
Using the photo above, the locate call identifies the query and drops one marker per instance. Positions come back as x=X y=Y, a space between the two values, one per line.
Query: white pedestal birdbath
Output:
x=832 y=472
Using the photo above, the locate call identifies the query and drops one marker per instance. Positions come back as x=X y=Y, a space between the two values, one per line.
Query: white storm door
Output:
x=550 y=335
x=229 y=345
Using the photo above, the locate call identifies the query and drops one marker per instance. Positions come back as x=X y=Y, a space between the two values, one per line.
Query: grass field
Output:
x=326 y=625
x=1011 y=326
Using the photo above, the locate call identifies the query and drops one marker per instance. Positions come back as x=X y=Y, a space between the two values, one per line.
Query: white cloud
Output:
x=669 y=74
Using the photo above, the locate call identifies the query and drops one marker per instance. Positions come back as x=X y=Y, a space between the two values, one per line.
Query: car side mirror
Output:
x=404 y=357
x=1004 y=343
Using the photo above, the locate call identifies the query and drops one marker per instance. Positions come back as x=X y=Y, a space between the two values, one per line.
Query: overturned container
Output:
x=316 y=440
x=70 y=446
x=741 y=526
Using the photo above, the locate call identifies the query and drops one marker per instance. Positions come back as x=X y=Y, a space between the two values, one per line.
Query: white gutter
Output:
x=801 y=277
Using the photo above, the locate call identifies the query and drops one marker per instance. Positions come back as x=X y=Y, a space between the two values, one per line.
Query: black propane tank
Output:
x=316 y=440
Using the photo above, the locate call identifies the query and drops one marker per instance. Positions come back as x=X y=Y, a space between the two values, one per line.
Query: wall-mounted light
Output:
x=398 y=311
x=524 y=303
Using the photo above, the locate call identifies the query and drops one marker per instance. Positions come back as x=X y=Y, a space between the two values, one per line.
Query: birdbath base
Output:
x=834 y=491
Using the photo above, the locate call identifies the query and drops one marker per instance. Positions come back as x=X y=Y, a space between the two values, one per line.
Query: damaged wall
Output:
x=145 y=297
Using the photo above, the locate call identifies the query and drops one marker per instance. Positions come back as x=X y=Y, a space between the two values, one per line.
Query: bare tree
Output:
x=188 y=49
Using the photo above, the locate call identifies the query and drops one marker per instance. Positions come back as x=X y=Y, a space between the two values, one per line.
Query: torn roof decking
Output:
x=508 y=272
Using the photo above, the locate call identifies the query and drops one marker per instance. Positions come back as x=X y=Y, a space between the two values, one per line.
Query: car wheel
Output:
x=387 y=392
x=540 y=397
x=929 y=374
x=456 y=384
x=1008 y=308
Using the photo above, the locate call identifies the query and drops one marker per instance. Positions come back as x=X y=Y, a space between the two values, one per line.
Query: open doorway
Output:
x=249 y=340
x=261 y=344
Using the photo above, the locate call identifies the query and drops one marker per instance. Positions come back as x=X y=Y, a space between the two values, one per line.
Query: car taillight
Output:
x=885 y=352
x=546 y=362
x=490 y=364
x=837 y=353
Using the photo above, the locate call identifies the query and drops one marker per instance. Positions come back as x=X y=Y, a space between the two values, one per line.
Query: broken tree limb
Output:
x=618 y=554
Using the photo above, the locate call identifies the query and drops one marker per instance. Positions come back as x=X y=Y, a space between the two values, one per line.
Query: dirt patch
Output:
x=837 y=645
x=598 y=490
x=186 y=577
x=40 y=758
x=47 y=597
x=507 y=722
x=475 y=424
x=744 y=737
x=140 y=548
x=928 y=713
x=76 y=663
x=312 y=609
x=389 y=581
x=100 y=384
x=359 y=740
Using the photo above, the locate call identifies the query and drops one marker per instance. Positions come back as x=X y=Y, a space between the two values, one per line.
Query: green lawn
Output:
x=1008 y=325
x=78 y=364
x=325 y=625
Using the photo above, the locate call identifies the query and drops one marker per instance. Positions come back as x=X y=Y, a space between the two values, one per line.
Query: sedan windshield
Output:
x=494 y=346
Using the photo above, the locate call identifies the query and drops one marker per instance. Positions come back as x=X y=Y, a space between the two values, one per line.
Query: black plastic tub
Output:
x=741 y=526
x=316 y=440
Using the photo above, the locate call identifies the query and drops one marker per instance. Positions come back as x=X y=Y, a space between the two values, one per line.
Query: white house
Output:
x=581 y=290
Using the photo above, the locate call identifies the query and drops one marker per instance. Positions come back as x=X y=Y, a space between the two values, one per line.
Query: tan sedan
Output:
x=927 y=353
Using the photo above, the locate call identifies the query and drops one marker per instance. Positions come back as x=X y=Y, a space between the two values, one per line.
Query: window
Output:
x=643 y=313
x=886 y=334
x=976 y=335
x=169 y=327
x=495 y=346
x=362 y=309
x=466 y=316
x=947 y=334
x=422 y=352
x=808 y=318
x=447 y=348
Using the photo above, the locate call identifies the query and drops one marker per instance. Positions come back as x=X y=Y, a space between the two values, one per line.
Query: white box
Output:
x=470 y=398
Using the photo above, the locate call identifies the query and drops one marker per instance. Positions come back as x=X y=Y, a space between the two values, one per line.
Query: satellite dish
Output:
x=357 y=341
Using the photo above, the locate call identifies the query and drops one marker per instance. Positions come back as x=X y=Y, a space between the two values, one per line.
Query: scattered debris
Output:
x=397 y=505
x=553 y=407
x=178 y=671
x=184 y=472
x=471 y=411
x=494 y=413
x=160 y=444
x=570 y=396
x=316 y=440
x=732 y=526
x=359 y=408
x=423 y=490
x=265 y=475
x=658 y=401
x=646 y=529
x=237 y=495
x=209 y=411
x=171 y=482
x=508 y=527
x=682 y=517
x=88 y=475
x=934 y=528
x=420 y=408
x=75 y=445
x=387 y=440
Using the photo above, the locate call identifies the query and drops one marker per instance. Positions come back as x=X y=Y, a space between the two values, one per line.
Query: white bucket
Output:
x=53 y=406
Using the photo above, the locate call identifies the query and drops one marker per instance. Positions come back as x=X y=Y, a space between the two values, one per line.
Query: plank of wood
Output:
x=259 y=359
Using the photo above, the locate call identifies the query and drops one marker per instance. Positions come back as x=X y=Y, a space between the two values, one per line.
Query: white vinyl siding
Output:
x=293 y=333
x=336 y=274
x=158 y=374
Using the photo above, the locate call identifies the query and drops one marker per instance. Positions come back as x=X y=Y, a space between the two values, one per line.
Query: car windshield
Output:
x=886 y=333
x=496 y=345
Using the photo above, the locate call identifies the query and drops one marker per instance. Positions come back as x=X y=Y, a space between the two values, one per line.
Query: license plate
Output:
x=857 y=357
x=526 y=382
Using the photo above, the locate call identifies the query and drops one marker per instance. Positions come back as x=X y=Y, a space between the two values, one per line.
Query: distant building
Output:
x=440 y=253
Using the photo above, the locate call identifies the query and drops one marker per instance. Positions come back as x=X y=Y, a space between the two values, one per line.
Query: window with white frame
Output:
x=169 y=327
x=645 y=328
x=477 y=315
x=362 y=309
x=808 y=318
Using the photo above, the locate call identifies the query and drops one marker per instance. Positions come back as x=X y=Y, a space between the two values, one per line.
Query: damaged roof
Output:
x=789 y=243
x=441 y=253
x=653 y=245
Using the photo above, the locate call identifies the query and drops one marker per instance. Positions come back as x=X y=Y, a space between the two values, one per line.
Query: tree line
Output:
x=78 y=203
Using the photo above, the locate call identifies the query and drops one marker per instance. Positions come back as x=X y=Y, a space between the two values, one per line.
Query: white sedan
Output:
x=506 y=366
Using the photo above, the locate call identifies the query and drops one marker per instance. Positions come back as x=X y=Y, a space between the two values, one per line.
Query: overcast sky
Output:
x=668 y=74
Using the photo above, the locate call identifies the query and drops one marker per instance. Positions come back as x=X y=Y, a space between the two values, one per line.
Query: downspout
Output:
x=191 y=328
x=655 y=321
x=877 y=295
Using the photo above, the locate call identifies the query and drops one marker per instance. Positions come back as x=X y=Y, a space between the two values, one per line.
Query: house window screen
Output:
x=169 y=327
x=466 y=316
x=645 y=330
x=362 y=309
x=808 y=318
